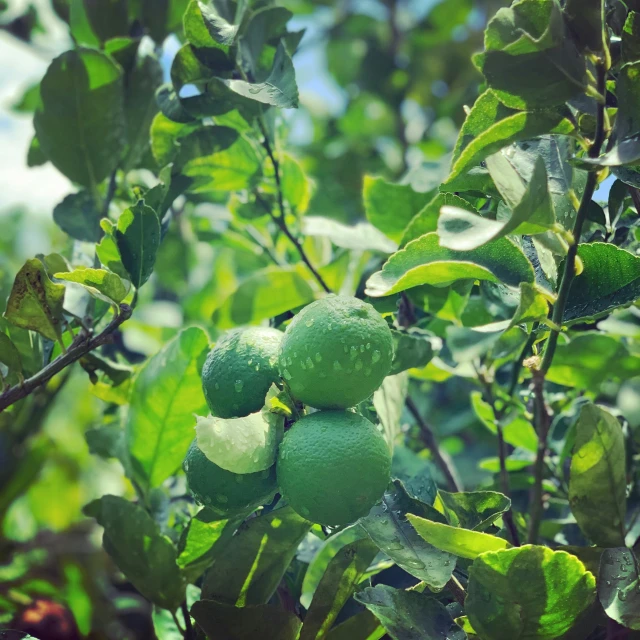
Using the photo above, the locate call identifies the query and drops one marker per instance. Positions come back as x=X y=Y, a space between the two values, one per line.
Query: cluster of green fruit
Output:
x=333 y=464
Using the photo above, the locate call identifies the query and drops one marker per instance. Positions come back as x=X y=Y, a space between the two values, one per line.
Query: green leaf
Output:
x=78 y=216
x=343 y=573
x=108 y=252
x=253 y=301
x=586 y=21
x=9 y=355
x=475 y=510
x=29 y=101
x=108 y=18
x=408 y=615
x=103 y=284
x=388 y=402
x=241 y=445
x=413 y=348
x=204 y=27
x=296 y=186
x=160 y=18
x=146 y=557
x=459 y=542
x=532 y=305
x=387 y=526
x=597 y=481
x=35 y=302
x=590 y=359
x=165 y=134
x=530 y=59
x=528 y=592
x=424 y=261
x=80 y=125
x=166 y=393
x=610 y=278
x=140 y=107
x=256 y=558
x=220 y=620
x=360 y=237
x=79 y=25
x=204 y=538
x=138 y=238
x=491 y=126
x=619 y=587
x=279 y=89
x=390 y=207
x=426 y=220
x=630 y=33
x=362 y=626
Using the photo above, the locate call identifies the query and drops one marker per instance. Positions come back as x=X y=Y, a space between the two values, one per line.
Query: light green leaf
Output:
x=165 y=134
x=610 y=278
x=409 y=614
x=80 y=125
x=279 y=89
x=528 y=592
x=388 y=527
x=390 y=207
x=138 y=237
x=424 y=261
x=476 y=510
x=103 y=284
x=220 y=620
x=532 y=305
x=254 y=300
x=360 y=237
x=146 y=557
x=205 y=27
x=250 y=569
x=241 y=445
x=459 y=542
x=619 y=587
x=166 y=393
x=388 y=402
x=35 y=302
x=78 y=216
x=630 y=41
x=491 y=126
x=343 y=573
x=597 y=482
x=296 y=186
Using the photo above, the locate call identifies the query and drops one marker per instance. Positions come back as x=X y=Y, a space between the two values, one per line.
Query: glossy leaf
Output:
x=79 y=217
x=388 y=527
x=343 y=573
x=532 y=305
x=412 y=349
x=80 y=125
x=138 y=238
x=360 y=237
x=388 y=402
x=220 y=620
x=142 y=553
x=597 y=482
x=362 y=626
x=103 y=284
x=475 y=510
x=460 y=542
x=424 y=261
x=527 y=592
x=256 y=558
x=409 y=615
x=166 y=393
x=619 y=586
x=35 y=302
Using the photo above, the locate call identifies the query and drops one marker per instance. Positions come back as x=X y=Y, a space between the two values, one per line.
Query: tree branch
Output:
x=441 y=459
x=280 y=219
x=81 y=345
x=457 y=590
x=189 y=633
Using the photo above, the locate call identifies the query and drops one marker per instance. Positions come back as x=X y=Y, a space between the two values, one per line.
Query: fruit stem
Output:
x=442 y=460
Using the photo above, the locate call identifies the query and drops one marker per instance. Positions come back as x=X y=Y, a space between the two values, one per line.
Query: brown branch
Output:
x=81 y=345
x=457 y=590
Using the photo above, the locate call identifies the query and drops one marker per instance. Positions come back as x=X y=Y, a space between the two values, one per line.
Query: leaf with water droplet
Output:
x=620 y=594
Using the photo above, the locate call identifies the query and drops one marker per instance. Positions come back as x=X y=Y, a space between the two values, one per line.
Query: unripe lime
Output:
x=336 y=352
x=333 y=466
x=239 y=371
x=226 y=493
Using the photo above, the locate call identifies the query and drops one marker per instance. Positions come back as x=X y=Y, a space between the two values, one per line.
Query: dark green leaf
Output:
x=166 y=393
x=475 y=510
x=104 y=284
x=35 y=302
x=165 y=134
x=343 y=574
x=362 y=626
x=80 y=125
x=35 y=155
x=220 y=620
x=78 y=216
x=108 y=18
x=205 y=27
x=9 y=355
x=619 y=586
x=387 y=526
x=630 y=37
x=146 y=557
x=527 y=592
x=256 y=558
x=138 y=238
x=424 y=261
x=586 y=21
x=409 y=615
x=597 y=485
x=412 y=349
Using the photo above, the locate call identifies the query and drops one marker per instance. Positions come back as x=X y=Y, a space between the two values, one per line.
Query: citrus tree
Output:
x=365 y=369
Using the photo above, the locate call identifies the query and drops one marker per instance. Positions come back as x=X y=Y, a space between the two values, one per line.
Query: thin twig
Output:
x=82 y=345
x=111 y=191
x=457 y=590
x=280 y=219
x=635 y=196
x=517 y=365
x=189 y=633
x=441 y=459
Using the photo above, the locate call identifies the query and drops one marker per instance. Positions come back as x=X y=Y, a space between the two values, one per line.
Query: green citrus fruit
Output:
x=336 y=352
x=333 y=466
x=226 y=493
x=239 y=371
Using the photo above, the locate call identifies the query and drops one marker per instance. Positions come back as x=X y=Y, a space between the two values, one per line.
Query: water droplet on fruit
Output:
x=216 y=386
x=302 y=364
x=286 y=374
x=289 y=361
x=353 y=353
x=238 y=386
x=318 y=357
x=375 y=356
x=368 y=346
x=223 y=499
x=309 y=363
x=337 y=366
x=323 y=374
x=295 y=354
x=309 y=323
x=358 y=365
x=367 y=372
x=346 y=349
x=250 y=361
x=258 y=367
x=329 y=326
